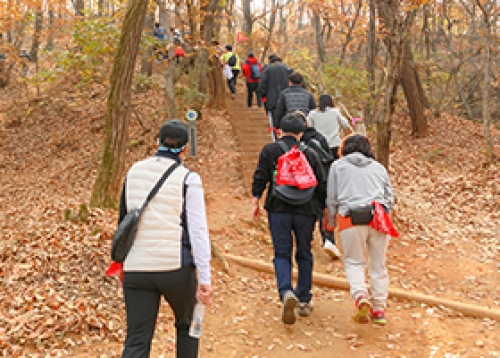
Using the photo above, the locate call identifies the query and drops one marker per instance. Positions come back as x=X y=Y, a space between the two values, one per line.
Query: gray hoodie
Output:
x=356 y=180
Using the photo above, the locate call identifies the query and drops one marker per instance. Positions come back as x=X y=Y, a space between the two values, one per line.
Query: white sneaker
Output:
x=332 y=250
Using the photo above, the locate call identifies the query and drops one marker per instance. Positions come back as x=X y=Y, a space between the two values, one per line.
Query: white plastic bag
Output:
x=228 y=73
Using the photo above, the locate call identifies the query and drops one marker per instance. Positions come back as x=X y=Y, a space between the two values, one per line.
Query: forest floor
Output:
x=56 y=301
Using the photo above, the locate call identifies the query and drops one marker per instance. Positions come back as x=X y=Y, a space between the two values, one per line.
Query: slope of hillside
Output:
x=55 y=298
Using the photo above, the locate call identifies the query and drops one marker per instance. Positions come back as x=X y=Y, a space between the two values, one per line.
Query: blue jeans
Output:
x=283 y=228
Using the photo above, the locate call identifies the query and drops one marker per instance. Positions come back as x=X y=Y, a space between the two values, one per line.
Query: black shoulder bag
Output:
x=127 y=229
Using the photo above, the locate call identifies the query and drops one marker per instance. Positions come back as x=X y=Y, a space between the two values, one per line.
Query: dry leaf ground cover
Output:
x=56 y=301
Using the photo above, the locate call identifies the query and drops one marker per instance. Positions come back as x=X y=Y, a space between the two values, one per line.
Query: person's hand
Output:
x=204 y=294
x=326 y=222
x=256 y=209
x=121 y=275
x=330 y=221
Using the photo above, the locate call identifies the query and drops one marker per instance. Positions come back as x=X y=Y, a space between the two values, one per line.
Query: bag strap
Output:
x=302 y=146
x=316 y=145
x=159 y=184
x=283 y=146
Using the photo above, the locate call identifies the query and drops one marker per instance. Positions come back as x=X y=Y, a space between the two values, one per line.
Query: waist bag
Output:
x=361 y=215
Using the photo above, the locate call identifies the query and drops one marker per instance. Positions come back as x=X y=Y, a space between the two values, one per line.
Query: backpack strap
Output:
x=283 y=146
x=302 y=146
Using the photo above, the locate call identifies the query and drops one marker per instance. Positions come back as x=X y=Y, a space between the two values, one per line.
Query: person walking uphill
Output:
x=233 y=61
x=170 y=247
x=287 y=221
x=358 y=185
x=252 y=70
x=294 y=98
x=328 y=121
x=316 y=141
x=273 y=80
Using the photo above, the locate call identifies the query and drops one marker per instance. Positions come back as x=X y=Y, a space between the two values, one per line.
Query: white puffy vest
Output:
x=158 y=243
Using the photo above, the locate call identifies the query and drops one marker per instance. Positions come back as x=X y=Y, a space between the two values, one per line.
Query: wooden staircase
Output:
x=250 y=126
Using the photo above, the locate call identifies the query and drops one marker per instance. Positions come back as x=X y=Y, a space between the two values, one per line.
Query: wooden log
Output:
x=340 y=283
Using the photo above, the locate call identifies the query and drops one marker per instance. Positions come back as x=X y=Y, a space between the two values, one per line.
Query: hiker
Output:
x=179 y=52
x=252 y=70
x=159 y=32
x=287 y=221
x=294 y=98
x=170 y=247
x=273 y=80
x=269 y=60
x=328 y=121
x=317 y=142
x=231 y=59
x=355 y=181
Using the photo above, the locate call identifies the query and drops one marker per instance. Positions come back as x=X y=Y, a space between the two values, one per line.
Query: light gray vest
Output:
x=158 y=243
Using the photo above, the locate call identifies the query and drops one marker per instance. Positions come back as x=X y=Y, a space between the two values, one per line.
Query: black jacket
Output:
x=292 y=99
x=273 y=80
x=263 y=177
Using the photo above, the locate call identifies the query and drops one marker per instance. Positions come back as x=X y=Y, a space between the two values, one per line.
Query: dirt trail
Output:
x=245 y=318
x=442 y=251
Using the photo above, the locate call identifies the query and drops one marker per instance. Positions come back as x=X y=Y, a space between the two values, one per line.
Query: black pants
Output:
x=143 y=291
x=251 y=89
x=232 y=82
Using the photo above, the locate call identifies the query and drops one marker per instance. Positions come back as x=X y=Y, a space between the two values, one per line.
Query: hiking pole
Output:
x=352 y=121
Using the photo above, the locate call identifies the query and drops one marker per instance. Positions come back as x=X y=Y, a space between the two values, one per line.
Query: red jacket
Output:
x=179 y=51
x=247 y=70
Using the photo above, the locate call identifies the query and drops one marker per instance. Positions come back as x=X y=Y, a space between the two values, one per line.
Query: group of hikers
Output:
x=160 y=35
x=350 y=187
x=310 y=175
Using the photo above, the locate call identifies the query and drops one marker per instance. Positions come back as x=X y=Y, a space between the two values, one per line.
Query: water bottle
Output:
x=199 y=312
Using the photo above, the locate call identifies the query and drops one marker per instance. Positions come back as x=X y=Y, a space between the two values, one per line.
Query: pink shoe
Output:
x=378 y=317
x=363 y=308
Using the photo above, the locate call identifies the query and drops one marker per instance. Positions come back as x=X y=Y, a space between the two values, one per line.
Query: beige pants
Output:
x=356 y=243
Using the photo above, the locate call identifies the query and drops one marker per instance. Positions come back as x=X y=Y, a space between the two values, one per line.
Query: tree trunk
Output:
x=350 y=28
x=320 y=45
x=147 y=56
x=37 y=34
x=486 y=85
x=230 y=13
x=272 y=21
x=413 y=92
x=389 y=13
x=300 y=17
x=192 y=10
x=370 y=64
x=247 y=16
x=49 y=46
x=203 y=64
x=101 y=7
x=170 y=72
x=107 y=186
x=282 y=25
x=215 y=86
x=79 y=8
